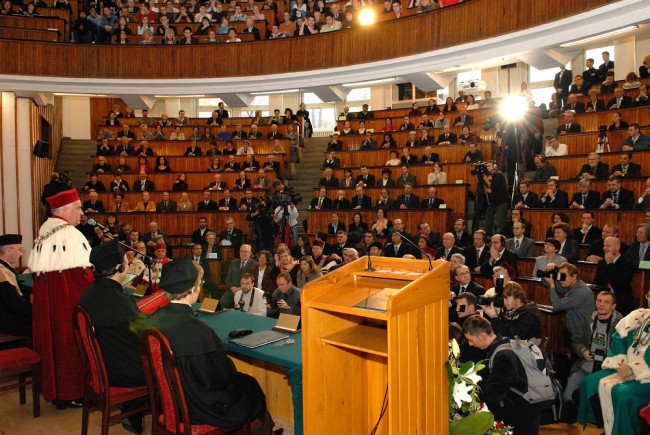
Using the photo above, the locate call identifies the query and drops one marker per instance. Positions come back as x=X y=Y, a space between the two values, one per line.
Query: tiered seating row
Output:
x=195 y=180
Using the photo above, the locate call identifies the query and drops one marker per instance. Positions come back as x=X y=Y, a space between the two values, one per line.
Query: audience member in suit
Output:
x=594 y=104
x=553 y=197
x=568 y=246
x=341 y=202
x=616 y=272
x=193 y=150
x=588 y=232
x=331 y=161
x=321 y=202
x=639 y=249
x=227 y=203
x=465 y=283
x=448 y=247
x=367 y=179
x=499 y=255
x=207 y=204
x=231 y=236
x=93 y=204
x=335 y=144
x=198 y=235
x=522 y=246
x=243 y=264
x=525 y=198
x=328 y=180
x=360 y=201
x=568 y=126
x=408 y=200
x=636 y=141
x=516 y=215
x=544 y=170
x=405 y=177
x=585 y=197
x=580 y=87
x=335 y=225
x=429 y=157
x=337 y=248
x=432 y=202
x=464 y=118
x=263 y=269
x=463 y=238
x=166 y=205
x=385 y=180
x=447 y=137
x=146 y=204
x=143 y=184
x=617 y=197
x=596 y=250
x=562 y=82
x=384 y=201
x=626 y=168
x=620 y=100
x=573 y=105
x=642 y=98
x=643 y=203
x=396 y=248
x=593 y=169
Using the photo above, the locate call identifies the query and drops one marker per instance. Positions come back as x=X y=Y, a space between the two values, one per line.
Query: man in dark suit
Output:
x=384 y=201
x=126 y=131
x=616 y=272
x=335 y=225
x=562 y=82
x=593 y=169
x=248 y=202
x=591 y=74
x=620 y=100
x=231 y=236
x=498 y=256
x=568 y=127
x=605 y=67
x=626 y=168
x=464 y=118
x=274 y=133
x=585 y=197
x=253 y=133
x=222 y=113
x=448 y=247
x=331 y=161
x=366 y=179
x=463 y=238
x=465 y=283
x=198 y=235
x=341 y=202
x=617 y=197
x=396 y=248
x=321 y=202
x=328 y=180
x=520 y=244
x=271 y=164
x=192 y=150
x=447 y=137
x=207 y=204
x=341 y=243
x=124 y=148
x=216 y=184
x=360 y=201
x=166 y=205
x=346 y=114
x=636 y=141
x=405 y=177
x=432 y=202
x=143 y=184
x=638 y=250
x=407 y=125
x=588 y=232
x=93 y=204
x=365 y=113
x=573 y=105
x=553 y=197
x=525 y=198
x=227 y=203
x=335 y=144
x=408 y=200
x=580 y=87
x=232 y=164
x=435 y=241
x=243 y=264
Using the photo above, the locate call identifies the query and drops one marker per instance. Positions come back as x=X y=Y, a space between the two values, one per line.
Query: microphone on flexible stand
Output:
x=146 y=259
x=369 y=268
x=407 y=240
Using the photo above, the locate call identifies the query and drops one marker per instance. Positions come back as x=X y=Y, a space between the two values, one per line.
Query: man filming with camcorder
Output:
x=569 y=294
x=510 y=313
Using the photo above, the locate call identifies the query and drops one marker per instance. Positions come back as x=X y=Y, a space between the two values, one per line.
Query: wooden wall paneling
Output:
x=29 y=34
x=375 y=43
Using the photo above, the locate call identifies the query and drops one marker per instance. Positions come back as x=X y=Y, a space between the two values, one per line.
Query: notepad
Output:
x=260 y=339
x=288 y=323
x=211 y=306
x=140 y=291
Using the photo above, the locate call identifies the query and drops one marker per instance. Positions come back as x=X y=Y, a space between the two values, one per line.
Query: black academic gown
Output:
x=15 y=309
x=215 y=392
x=118 y=322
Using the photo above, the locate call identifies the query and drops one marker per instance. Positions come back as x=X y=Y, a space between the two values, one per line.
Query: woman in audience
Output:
x=308 y=271
x=465 y=136
x=556 y=219
x=122 y=38
x=631 y=81
x=436 y=176
x=594 y=103
x=471 y=103
x=394 y=159
x=242 y=182
x=432 y=108
x=302 y=248
x=232 y=36
x=257 y=119
x=207 y=134
x=224 y=26
x=388 y=141
x=550 y=256
x=210 y=246
x=7 y=8
x=357 y=224
x=617 y=122
x=382 y=225
x=347 y=129
x=449 y=106
x=162 y=165
x=388 y=126
x=204 y=27
x=429 y=252
x=144 y=150
x=289 y=117
x=525 y=92
x=262 y=272
x=441 y=121
x=299 y=9
x=215 y=165
x=142 y=166
x=212 y=37
x=644 y=69
x=180 y=185
x=144 y=25
x=555 y=105
x=196 y=135
x=122 y=166
x=159 y=134
x=113 y=226
x=284 y=263
x=362 y=127
x=147 y=36
x=347 y=180
x=177 y=134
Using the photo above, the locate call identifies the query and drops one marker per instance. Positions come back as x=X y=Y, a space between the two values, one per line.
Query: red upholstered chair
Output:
x=97 y=392
x=11 y=339
x=21 y=361
x=168 y=406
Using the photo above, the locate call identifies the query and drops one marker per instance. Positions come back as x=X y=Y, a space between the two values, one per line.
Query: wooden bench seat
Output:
x=164 y=181
x=378 y=122
x=196 y=196
x=178 y=147
x=438 y=220
x=187 y=129
x=592 y=120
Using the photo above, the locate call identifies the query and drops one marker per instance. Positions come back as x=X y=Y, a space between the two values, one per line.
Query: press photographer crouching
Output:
x=464 y=306
x=511 y=314
x=590 y=342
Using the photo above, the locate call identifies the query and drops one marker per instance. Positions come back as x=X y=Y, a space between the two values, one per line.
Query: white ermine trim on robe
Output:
x=65 y=248
x=631 y=321
x=612 y=362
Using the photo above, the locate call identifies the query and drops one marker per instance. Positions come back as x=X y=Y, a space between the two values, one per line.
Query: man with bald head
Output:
x=448 y=247
x=616 y=272
x=596 y=250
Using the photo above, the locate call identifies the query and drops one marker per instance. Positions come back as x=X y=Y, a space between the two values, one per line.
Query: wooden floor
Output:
x=17 y=420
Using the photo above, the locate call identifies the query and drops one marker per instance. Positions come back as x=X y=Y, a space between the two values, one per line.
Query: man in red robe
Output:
x=60 y=265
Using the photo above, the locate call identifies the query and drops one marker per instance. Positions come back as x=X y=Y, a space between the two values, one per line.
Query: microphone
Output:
x=146 y=259
x=369 y=268
x=94 y=223
x=407 y=240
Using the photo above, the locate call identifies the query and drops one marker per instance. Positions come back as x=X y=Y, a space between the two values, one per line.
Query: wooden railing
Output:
x=436 y=30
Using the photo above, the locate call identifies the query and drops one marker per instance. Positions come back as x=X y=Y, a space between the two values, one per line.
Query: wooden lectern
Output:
x=367 y=334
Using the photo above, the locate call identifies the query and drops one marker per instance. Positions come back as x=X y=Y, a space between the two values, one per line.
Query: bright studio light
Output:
x=514 y=108
x=366 y=17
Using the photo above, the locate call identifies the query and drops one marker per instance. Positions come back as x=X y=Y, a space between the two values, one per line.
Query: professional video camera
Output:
x=497 y=299
x=557 y=276
x=288 y=196
x=602 y=131
x=479 y=169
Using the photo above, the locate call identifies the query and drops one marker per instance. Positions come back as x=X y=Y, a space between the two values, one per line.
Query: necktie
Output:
x=568 y=126
x=615 y=197
x=396 y=249
x=446 y=253
x=229 y=235
x=478 y=257
x=358 y=200
x=406 y=200
x=584 y=197
x=242 y=266
x=430 y=202
x=462 y=289
x=517 y=246
x=320 y=202
x=143 y=186
x=642 y=252
x=165 y=204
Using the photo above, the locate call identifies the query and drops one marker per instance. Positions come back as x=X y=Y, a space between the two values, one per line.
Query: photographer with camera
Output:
x=517 y=317
x=285 y=298
x=590 y=342
x=577 y=301
x=496 y=192
x=548 y=261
